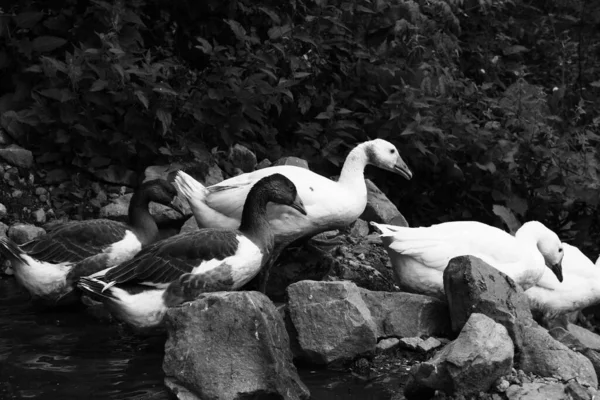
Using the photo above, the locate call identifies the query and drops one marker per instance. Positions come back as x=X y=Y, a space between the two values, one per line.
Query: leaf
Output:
x=274 y=17
x=44 y=44
x=595 y=84
x=99 y=161
x=98 y=85
x=515 y=50
x=204 y=45
x=488 y=166
x=237 y=29
x=165 y=118
x=28 y=19
x=300 y=75
x=304 y=104
x=165 y=151
x=323 y=115
x=507 y=217
x=278 y=31
x=142 y=98
x=61 y=95
x=132 y=17
x=163 y=89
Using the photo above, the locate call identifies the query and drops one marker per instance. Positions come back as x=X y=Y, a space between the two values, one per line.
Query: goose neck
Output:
x=254 y=223
x=354 y=166
x=141 y=220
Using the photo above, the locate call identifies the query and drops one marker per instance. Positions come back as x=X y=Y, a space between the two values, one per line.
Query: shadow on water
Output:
x=70 y=355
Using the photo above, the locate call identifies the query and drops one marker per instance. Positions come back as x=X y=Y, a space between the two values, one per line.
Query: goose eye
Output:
x=392 y=151
x=560 y=250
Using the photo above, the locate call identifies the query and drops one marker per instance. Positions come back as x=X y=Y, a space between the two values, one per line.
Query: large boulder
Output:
x=333 y=323
x=118 y=210
x=472 y=286
x=545 y=356
x=17 y=156
x=230 y=345
x=379 y=208
x=482 y=353
x=537 y=391
x=407 y=315
x=588 y=338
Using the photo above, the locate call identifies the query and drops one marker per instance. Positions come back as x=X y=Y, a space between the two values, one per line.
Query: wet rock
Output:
x=482 y=353
x=39 y=216
x=118 y=209
x=266 y=163
x=578 y=392
x=21 y=233
x=379 y=208
x=542 y=355
x=537 y=391
x=190 y=225
x=117 y=175
x=230 y=345
x=241 y=157
x=407 y=314
x=588 y=338
x=333 y=322
x=472 y=286
x=3 y=210
x=17 y=156
x=55 y=176
x=387 y=344
x=294 y=161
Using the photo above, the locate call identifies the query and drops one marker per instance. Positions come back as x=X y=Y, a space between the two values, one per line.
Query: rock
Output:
x=295 y=161
x=588 y=338
x=190 y=225
x=39 y=216
x=40 y=191
x=17 y=156
x=333 y=322
x=594 y=358
x=482 y=353
x=577 y=391
x=471 y=286
x=360 y=228
x=17 y=194
x=537 y=391
x=242 y=158
x=55 y=176
x=379 y=208
x=117 y=175
x=407 y=314
x=165 y=172
x=410 y=343
x=3 y=210
x=429 y=344
x=364 y=275
x=230 y=345
x=544 y=356
x=263 y=164
x=22 y=233
x=119 y=207
x=179 y=391
x=3 y=229
x=387 y=344
x=399 y=221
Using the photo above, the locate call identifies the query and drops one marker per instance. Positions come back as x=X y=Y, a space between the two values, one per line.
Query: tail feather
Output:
x=386 y=230
x=96 y=288
x=11 y=251
x=189 y=187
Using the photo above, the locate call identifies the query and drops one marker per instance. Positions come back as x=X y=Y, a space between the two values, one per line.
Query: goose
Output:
x=179 y=268
x=420 y=255
x=579 y=289
x=49 y=266
x=329 y=204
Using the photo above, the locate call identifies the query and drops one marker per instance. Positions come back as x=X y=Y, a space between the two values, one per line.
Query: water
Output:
x=71 y=355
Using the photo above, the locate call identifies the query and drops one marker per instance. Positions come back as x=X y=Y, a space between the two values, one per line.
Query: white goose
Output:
x=329 y=204
x=580 y=287
x=419 y=256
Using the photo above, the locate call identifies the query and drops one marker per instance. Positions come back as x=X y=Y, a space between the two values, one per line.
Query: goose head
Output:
x=548 y=243
x=385 y=155
x=281 y=190
x=163 y=192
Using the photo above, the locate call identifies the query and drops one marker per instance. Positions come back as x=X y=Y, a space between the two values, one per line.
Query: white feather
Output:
x=41 y=278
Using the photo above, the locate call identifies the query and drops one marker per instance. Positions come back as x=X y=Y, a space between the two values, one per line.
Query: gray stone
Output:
x=379 y=208
x=410 y=343
x=481 y=354
x=165 y=172
x=588 y=338
x=333 y=322
x=18 y=156
x=241 y=157
x=387 y=344
x=22 y=233
x=266 y=163
x=3 y=229
x=3 y=210
x=542 y=355
x=429 y=344
x=578 y=392
x=190 y=225
x=57 y=175
x=406 y=314
x=471 y=286
x=360 y=228
x=39 y=216
x=537 y=391
x=230 y=345
x=294 y=161
x=118 y=209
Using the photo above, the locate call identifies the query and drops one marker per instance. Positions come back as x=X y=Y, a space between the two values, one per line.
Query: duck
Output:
x=329 y=204
x=580 y=288
x=177 y=269
x=49 y=266
x=420 y=255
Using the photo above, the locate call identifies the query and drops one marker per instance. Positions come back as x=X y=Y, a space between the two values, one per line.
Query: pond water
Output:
x=70 y=355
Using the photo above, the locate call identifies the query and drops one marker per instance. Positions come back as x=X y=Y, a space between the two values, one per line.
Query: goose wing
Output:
x=75 y=241
x=168 y=259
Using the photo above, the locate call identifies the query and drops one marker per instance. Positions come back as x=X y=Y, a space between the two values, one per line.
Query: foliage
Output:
x=492 y=103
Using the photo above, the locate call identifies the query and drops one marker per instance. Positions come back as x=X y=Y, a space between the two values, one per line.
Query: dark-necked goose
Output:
x=49 y=266
x=329 y=204
x=202 y=261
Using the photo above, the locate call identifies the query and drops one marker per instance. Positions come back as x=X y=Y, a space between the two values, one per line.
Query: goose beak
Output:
x=402 y=169
x=557 y=269
x=177 y=205
x=298 y=205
